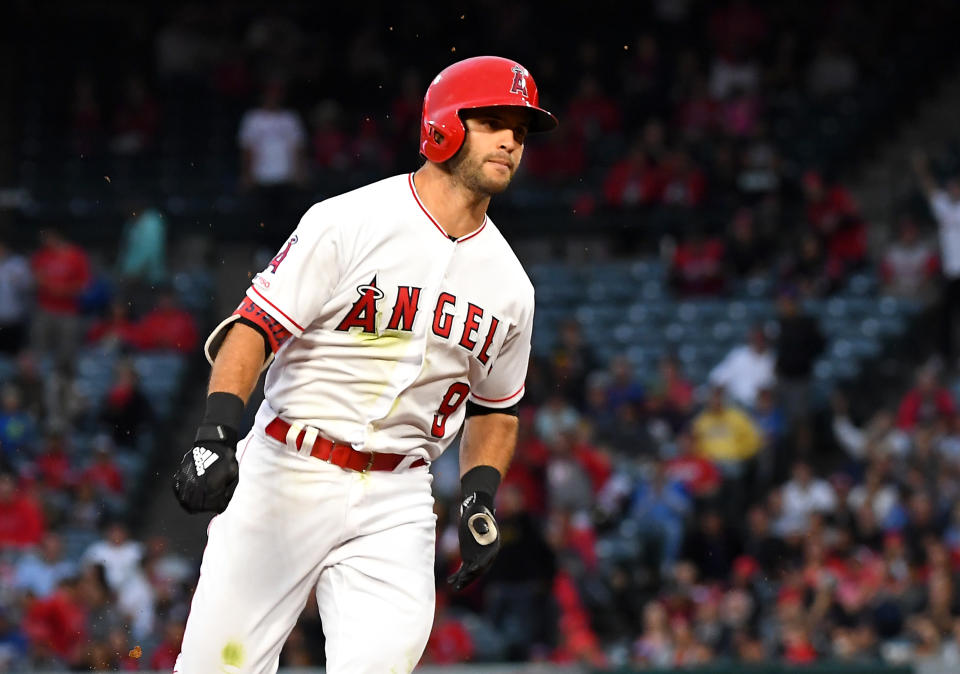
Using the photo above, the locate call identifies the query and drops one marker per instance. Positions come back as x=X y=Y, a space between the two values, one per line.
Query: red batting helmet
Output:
x=478 y=82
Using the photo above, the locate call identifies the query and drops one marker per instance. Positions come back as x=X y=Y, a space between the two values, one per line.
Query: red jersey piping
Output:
x=413 y=190
x=295 y=324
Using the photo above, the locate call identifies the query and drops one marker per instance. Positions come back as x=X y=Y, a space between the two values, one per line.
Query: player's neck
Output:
x=457 y=209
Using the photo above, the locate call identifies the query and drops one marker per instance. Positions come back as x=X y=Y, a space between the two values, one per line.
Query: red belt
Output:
x=340 y=454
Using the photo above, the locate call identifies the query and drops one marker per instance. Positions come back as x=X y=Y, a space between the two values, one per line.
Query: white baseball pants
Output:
x=363 y=541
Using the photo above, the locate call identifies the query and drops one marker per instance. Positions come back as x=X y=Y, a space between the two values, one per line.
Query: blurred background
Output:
x=740 y=440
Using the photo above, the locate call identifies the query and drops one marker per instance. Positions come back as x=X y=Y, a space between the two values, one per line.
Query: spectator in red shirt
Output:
x=103 y=473
x=833 y=214
x=165 y=654
x=634 y=180
x=115 y=331
x=592 y=112
x=21 y=519
x=698 y=266
x=927 y=402
x=52 y=467
x=698 y=475
x=62 y=272
x=167 y=326
x=560 y=158
x=57 y=622
x=449 y=642
x=126 y=407
x=684 y=184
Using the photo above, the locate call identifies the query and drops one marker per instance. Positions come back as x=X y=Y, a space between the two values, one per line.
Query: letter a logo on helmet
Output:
x=519 y=85
x=479 y=82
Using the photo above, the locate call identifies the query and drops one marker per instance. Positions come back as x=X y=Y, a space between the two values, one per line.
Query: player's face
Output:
x=492 y=149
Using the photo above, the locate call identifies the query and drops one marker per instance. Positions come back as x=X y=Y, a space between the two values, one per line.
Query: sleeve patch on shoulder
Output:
x=274 y=331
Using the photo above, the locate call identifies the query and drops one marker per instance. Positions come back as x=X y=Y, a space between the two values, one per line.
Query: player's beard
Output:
x=468 y=169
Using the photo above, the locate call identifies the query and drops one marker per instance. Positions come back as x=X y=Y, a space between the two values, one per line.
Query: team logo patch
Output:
x=519 y=85
x=203 y=458
x=275 y=262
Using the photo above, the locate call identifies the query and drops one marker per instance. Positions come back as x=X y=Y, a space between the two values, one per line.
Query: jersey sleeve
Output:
x=504 y=385
x=291 y=291
x=301 y=277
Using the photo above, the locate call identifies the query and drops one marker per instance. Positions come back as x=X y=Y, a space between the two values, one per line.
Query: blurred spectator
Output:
x=560 y=159
x=126 y=408
x=747 y=253
x=572 y=360
x=57 y=622
x=740 y=114
x=835 y=217
x=697 y=266
x=18 y=429
x=53 y=465
x=21 y=516
x=772 y=424
x=121 y=559
x=554 y=418
x=103 y=472
x=878 y=437
x=799 y=344
x=330 y=141
x=39 y=573
x=16 y=282
x=810 y=270
x=117 y=331
x=875 y=493
x=804 y=495
x=137 y=119
x=29 y=381
x=658 y=507
x=273 y=142
x=684 y=184
x=167 y=326
x=712 y=546
x=945 y=206
x=569 y=488
x=926 y=403
x=832 y=71
x=699 y=476
x=634 y=180
x=518 y=585
x=909 y=264
x=165 y=653
x=141 y=258
x=725 y=434
x=592 y=112
x=698 y=114
x=670 y=395
x=623 y=389
x=62 y=272
x=746 y=369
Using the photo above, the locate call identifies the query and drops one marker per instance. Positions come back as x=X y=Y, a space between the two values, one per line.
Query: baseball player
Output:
x=392 y=314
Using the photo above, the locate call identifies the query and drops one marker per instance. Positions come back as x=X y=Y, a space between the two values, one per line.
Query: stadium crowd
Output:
x=656 y=521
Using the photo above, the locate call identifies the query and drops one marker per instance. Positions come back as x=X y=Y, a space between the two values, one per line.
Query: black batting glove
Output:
x=478 y=532
x=209 y=472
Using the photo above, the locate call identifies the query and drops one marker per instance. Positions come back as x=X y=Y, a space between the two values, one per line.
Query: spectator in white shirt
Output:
x=909 y=263
x=119 y=556
x=945 y=206
x=746 y=369
x=804 y=495
x=273 y=142
x=16 y=282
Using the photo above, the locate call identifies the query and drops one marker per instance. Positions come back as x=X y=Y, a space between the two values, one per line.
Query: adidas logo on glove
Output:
x=203 y=458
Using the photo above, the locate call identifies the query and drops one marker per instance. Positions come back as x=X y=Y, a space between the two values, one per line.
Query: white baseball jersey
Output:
x=394 y=324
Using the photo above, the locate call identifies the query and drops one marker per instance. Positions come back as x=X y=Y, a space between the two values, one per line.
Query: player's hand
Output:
x=479 y=539
x=209 y=472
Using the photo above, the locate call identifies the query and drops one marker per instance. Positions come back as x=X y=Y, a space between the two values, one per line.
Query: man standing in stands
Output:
x=945 y=206
x=62 y=272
